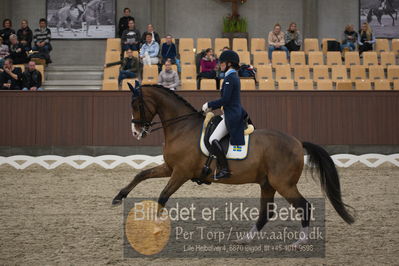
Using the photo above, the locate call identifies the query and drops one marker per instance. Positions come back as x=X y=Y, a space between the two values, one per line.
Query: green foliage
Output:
x=234 y=24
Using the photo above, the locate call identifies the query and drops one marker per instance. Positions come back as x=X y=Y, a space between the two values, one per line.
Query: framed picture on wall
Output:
x=81 y=19
x=382 y=15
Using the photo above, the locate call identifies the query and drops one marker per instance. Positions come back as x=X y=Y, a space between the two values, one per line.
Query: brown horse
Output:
x=275 y=161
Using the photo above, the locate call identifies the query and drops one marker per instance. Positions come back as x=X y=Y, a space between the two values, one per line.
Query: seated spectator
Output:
x=25 y=35
x=169 y=51
x=131 y=37
x=32 y=78
x=6 y=32
x=10 y=76
x=209 y=67
x=349 y=38
x=129 y=66
x=124 y=21
x=365 y=38
x=149 y=51
x=168 y=77
x=155 y=36
x=42 y=40
x=276 y=41
x=17 y=51
x=293 y=38
x=4 y=52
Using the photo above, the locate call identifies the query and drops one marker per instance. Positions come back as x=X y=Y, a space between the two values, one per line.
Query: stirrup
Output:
x=224 y=173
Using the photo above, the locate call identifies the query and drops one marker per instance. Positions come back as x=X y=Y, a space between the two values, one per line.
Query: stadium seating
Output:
x=339 y=73
x=358 y=73
x=188 y=84
x=324 y=44
x=110 y=84
x=363 y=85
x=150 y=74
x=264 y=72
x=311 y=45
x=112 y=56
x=297 y=58
x=186 y=45
x=283 y=72
x=324 y=85
x=315 y=58
x=189 y=72
x=248 y=84
x=395 y=46
x=240 y=44
x=111 y=72
x=388 y=58
x=334 y=58
x=370 y=58
x=286 y=85
x=382 y=45
x=301 y=73
x=305 y=84
x=376 y=72
x=258 y=45
x=245 y=57
x=208 y=84
x=352 y=58
x=382 y=85
x=220 y=43
x=266 y=84
x=279 y=58
x=393 y=73
x=203 y=44
x=114 y=45
x=260 y=58
x=396 y=85
x=187 y=58
x=320 y=72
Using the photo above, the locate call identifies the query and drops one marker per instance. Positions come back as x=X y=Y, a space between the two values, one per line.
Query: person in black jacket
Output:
x=6 y=32
x=10 y=76
x=123 y=21
x=32 y=78
x=25 y=35
x=131 y=38
x=17 y=51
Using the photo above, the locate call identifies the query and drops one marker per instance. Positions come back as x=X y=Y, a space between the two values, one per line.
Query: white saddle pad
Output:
x=234 y=152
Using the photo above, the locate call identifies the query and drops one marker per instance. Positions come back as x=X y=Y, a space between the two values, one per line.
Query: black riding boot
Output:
x=217 y=150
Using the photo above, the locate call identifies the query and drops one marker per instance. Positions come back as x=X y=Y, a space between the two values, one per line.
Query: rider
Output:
x=80 y=6
x=234 y=114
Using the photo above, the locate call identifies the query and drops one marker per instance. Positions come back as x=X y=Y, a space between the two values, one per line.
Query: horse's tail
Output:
x=370 y=15
x=329 y=179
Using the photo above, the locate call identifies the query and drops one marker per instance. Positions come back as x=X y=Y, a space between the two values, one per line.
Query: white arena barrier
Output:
x=141 y=161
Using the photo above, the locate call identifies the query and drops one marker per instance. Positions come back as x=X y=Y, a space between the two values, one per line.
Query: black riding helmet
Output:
x=230 y=56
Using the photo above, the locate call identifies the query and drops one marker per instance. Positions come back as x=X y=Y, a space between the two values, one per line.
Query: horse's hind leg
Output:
x=159 y=171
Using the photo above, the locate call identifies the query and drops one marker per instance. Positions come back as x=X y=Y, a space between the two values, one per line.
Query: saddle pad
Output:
x=233 y=153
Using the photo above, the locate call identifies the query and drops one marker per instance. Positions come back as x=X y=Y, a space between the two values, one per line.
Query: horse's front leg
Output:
x=159 y=171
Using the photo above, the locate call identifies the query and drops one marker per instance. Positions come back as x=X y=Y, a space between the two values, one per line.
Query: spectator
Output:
x=349 y=38
x=6 y=32
x=25 y=35
x=276 y=41
x=4 y=52
x=32 y=78
x=155 y=36
x=149 y=51
x=365 y=38
x=208 y=67
x=17 y=51
x=293 y=38
x=168 y=77
x=41 y=40
x=131 y=37
x=10 y=76
x=124 y=21
x=169 y=51
x=129 y=66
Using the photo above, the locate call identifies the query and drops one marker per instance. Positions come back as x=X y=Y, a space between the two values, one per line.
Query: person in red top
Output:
x=209 y=66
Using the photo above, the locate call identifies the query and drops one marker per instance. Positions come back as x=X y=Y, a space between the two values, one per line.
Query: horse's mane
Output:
x=174 y=94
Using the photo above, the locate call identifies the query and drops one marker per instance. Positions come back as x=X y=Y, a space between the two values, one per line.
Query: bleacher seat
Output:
x=324 y=85
x=189 y=72
x=344 y=85
x=264 y=72
x=363 y=85
x=320 y=72
x=203 y=44
x=388 y=58
x=114 y=45
x=352 y=58
x=358 y=73
x=315 y=59
x=240 y=44
x=301 y=73
x=188 y=84
x=186 y=45
x=150 y=74
x=110 y=84
x=311 y=45
x=395 y=46
x=286 y=85
x=298 y=58
x=113 y=56
x=220 y=43
x=258 y=45
x=260 y=58
x=334 y=58
x=111 y=72
x=305 y=84
x=208 y=84
x=376 y=72
x=370 y=58
x=339 y=73
x=187 y=58
x=248 y=84
x=393 y=73
x=245 y=57
x=266 y=84
x=125 y=86
x=396 y=84
x=283 y=72
x=324 y=44
x=382 y=45
x=382 y=85
x=279 y=58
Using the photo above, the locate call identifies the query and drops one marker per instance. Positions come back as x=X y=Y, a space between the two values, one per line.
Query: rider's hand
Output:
x=205 y=108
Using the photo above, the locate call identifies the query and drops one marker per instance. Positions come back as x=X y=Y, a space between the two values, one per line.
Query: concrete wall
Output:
x=197 y=18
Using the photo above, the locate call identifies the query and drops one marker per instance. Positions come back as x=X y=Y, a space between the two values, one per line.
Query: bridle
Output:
x=146 y=124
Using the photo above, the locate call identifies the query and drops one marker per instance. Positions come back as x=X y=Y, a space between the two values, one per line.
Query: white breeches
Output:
x=220 y=131
x=147 y=60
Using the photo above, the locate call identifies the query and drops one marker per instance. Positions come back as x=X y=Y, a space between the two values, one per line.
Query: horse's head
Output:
x=142 y=115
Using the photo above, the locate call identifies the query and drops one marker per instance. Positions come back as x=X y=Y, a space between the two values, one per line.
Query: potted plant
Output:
x=235 y=27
